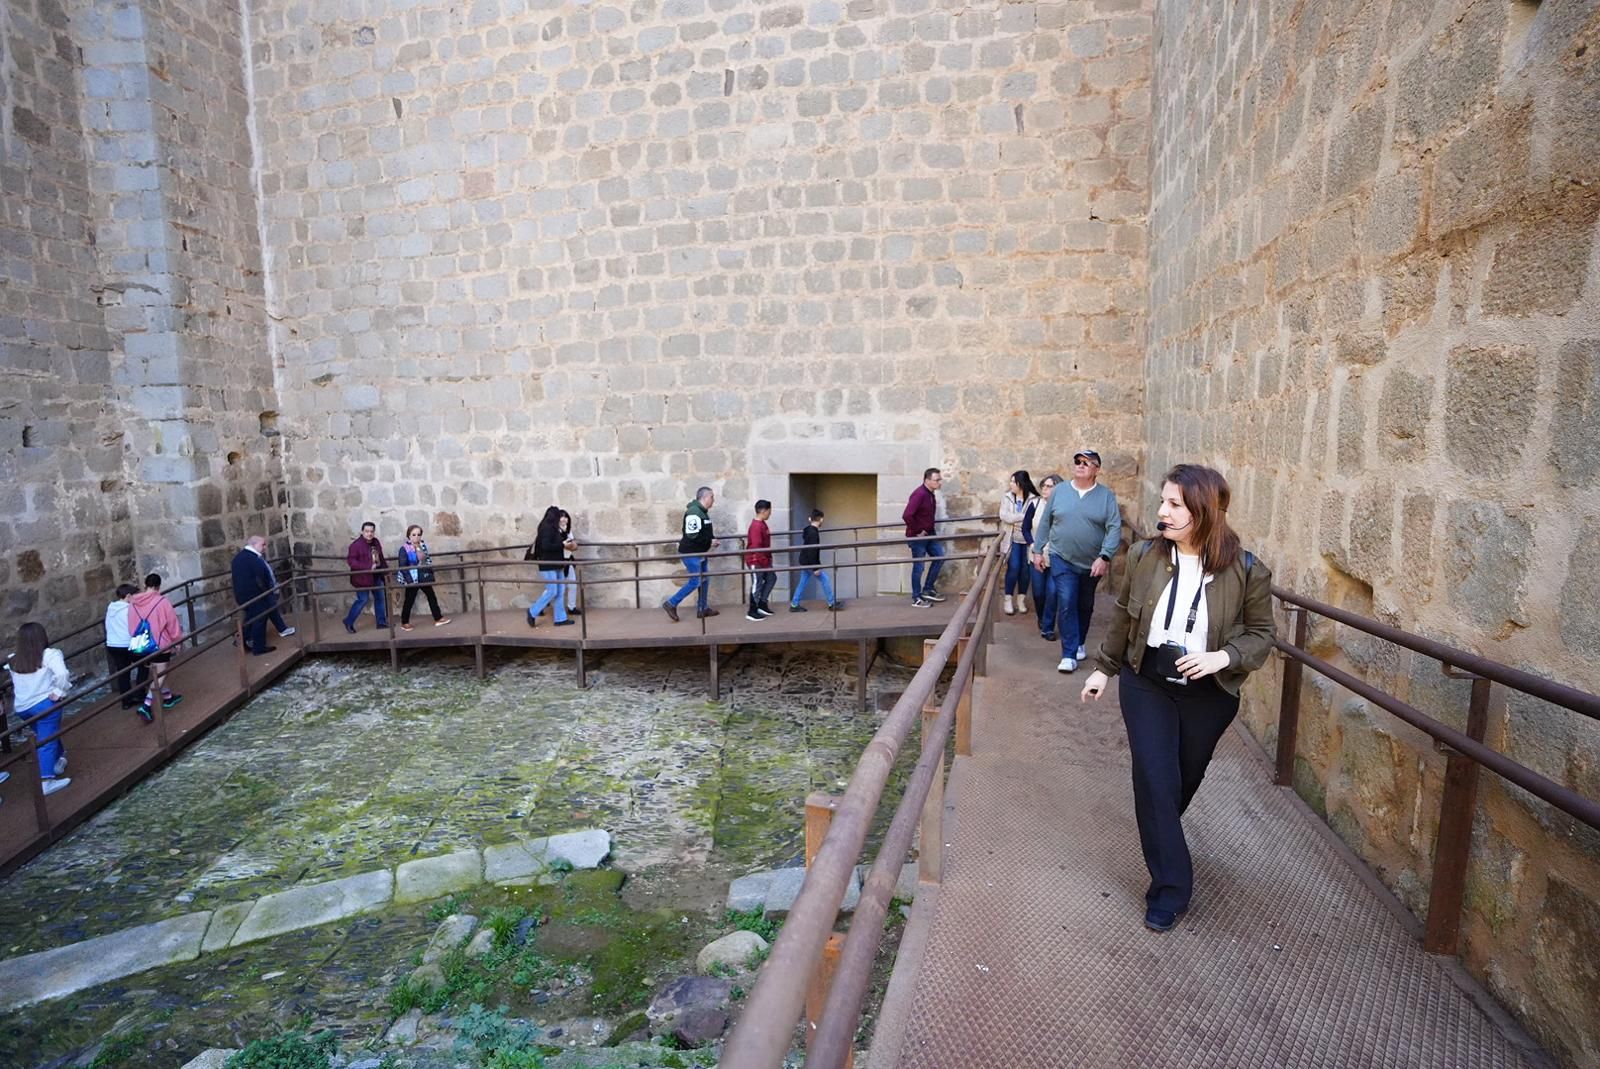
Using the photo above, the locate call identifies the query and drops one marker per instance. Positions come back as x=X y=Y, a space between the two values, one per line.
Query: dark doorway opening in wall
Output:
x=847 y=500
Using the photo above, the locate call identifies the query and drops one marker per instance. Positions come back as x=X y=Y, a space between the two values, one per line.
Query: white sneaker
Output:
x=929 y=594
x=1067 y=665
x=56 y=783
x=61 y=764
x=1081 y=654
x=286 y=632
x=1022 y=605
x=1010 y=610
x=918 y=603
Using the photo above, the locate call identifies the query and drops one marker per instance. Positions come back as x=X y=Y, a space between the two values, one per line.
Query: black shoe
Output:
x=765 y=610
x=565 y=623
x=930 y=594
x=574 y=612
x=1048 y=636
x=533 y=621
x=837 y=606
x=798 y=608
x=702 y=613
x=263 y=650
x=754 y=615
x=350 y=628
x=1160 y=920
x=671 y=610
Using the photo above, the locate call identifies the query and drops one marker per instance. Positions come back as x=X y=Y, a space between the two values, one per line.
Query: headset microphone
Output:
x=1165 y=526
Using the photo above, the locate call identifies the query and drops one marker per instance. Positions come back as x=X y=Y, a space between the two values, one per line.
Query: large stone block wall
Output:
x=526 y=253
x=1376 y=306
x=63 y=503
x=136 y=368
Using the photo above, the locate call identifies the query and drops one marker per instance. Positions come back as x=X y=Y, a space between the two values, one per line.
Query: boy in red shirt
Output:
x=758 y=558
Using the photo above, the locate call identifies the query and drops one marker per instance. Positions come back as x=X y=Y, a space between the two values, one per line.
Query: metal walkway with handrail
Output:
x=1025 y=947
x=110 y=749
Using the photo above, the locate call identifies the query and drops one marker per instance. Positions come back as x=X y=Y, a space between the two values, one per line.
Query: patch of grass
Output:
x=118 y=1049
x=291 y=1050
x=440 y=910
x=752 y=920
x=503 y=922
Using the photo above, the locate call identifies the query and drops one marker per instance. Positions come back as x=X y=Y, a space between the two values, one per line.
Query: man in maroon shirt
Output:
x=920 y=515
x=367 y=565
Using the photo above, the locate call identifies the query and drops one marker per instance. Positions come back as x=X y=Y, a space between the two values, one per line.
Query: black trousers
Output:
x=119 y=660
x=410 y=602
x=762 y=580
x=1172 y=733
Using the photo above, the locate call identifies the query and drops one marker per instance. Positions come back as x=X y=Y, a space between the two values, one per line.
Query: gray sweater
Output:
x=1079 y=529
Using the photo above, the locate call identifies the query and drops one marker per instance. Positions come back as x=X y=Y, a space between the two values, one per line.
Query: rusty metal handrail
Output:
x=1579 y=701
x=1466 y=750
x=1562 y=797
x=735 y=536
x=841 y=1014
x=763 y=1034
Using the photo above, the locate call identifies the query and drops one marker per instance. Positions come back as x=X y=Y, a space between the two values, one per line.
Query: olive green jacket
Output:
x=1238 y=614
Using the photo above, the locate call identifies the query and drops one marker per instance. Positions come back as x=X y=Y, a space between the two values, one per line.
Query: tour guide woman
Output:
x=1193 y=619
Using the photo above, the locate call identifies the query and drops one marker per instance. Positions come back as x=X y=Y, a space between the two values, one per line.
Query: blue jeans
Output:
x=805 y=577
x=1074 y=592
x=1017 y=568
x=43 y=729
x=1044 y=599
x=553 y=592
x=925 y=547
x=380 y=606
x=696 y=566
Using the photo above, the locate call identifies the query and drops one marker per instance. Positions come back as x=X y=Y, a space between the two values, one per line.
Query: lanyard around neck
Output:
x=1172 y=596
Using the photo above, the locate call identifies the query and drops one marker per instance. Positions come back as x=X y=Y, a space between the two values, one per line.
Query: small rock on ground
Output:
x=451 y=933
x=214 y=1058
x=403 y=1033
x=481 y=943
x=736 y=951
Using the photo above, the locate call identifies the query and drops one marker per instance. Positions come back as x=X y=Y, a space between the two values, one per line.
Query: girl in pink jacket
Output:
x=149 y=609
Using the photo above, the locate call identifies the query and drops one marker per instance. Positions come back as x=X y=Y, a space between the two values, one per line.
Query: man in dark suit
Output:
x=252 y=577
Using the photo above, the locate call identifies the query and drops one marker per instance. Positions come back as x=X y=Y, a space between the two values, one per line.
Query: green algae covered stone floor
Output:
x=345 y=767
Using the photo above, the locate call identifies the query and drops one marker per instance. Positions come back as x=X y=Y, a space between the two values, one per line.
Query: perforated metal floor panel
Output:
x=1037 y=956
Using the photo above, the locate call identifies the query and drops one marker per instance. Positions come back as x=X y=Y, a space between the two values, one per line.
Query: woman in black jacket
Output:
x=548 y=550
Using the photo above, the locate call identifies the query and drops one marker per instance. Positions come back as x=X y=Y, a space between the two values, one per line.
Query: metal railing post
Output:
x=1452 y=843
x=820 y=809
x=188 y=605
x=1289 y=703
x=930 y=840
x=636 y=602
x=239 y=653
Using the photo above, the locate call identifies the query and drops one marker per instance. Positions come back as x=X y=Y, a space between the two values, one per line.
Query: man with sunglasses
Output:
x=1081 y=523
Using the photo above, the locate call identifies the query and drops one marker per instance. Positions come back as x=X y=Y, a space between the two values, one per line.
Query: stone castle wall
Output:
x=135 y=369
x=1376 y=306
x=528 y=253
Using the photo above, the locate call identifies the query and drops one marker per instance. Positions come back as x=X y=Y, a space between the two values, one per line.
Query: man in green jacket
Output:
x=694 y=543
x=1082 y=524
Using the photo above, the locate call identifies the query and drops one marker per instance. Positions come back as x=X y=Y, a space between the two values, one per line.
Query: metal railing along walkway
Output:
x=1033 y=954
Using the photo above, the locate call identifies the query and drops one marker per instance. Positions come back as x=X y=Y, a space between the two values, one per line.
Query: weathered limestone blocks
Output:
x=1368 y=307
